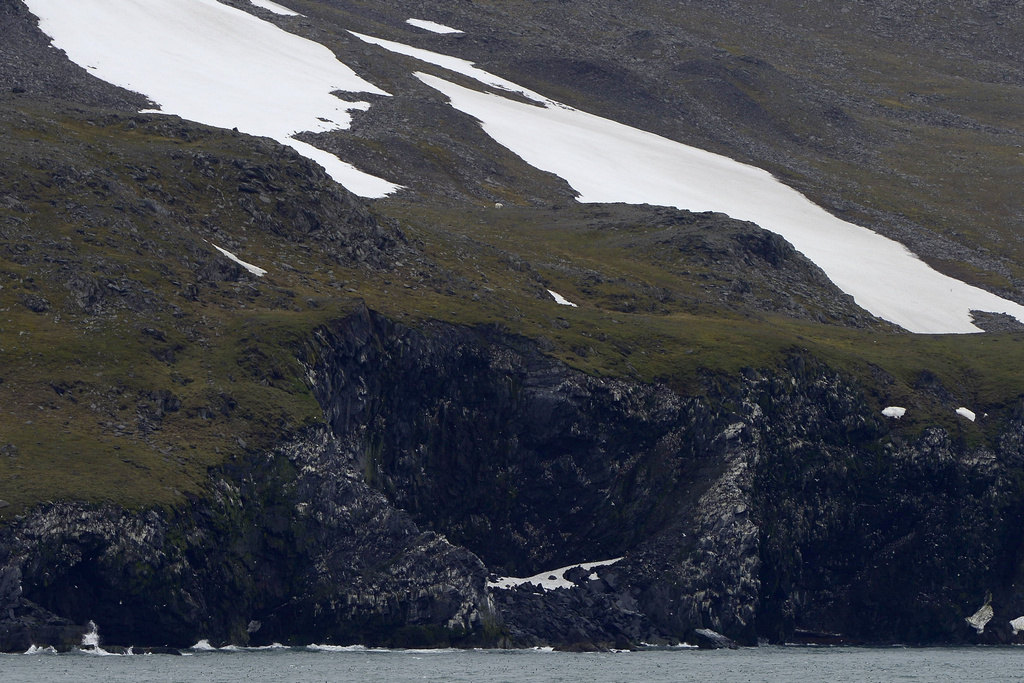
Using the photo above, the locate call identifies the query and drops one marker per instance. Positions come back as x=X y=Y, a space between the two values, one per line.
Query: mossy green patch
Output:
x=135 y=357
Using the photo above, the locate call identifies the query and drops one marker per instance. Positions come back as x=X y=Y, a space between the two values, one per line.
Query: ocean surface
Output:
x=357 y=665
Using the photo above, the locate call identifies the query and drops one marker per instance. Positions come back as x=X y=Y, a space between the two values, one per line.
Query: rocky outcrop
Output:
x=780 y=503
x=23 y=623
x=776 y=506
x=291 y=547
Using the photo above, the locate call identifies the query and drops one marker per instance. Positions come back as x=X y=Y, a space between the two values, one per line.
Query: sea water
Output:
x=360 y=665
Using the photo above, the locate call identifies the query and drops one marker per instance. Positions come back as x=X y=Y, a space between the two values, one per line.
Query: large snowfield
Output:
x=217 y=65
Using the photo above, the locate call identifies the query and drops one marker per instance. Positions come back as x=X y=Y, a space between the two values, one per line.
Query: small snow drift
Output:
x=275 y=8
x=549 y=580
x=431 y=26
x=1017 y=625
x=894 y=411
x=964 y=412
x=217 y=65
x=255 y=270
x=561 y=300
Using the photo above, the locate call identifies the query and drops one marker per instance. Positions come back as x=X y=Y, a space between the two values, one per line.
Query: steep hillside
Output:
x=899 y=117
x=239 y=402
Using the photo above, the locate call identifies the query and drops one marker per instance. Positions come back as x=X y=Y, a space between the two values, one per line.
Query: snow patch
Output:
x=607 y=161
x=561 y=300
x=275 y=8
x=1017 y=625
x=255 y=270
x=894 y=411
x=211 y=63
x=459 y=66
x=964 y=412
x=432 y=26
x=549 y=580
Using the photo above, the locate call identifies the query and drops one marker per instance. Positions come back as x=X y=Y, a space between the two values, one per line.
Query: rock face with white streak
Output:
x=980 y=619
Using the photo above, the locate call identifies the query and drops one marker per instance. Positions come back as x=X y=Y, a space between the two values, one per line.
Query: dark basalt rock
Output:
x=23 y=623
x=310 y=552
x=775 y=506
x=710 y=640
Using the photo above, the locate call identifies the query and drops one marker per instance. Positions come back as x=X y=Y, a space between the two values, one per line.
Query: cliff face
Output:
x=775 y=507
x=291 y=547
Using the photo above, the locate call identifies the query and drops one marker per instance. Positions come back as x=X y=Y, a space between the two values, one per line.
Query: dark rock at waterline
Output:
x=24 y=623
x=711 y=640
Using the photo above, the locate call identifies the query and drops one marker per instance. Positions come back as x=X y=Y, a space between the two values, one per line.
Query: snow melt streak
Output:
x=561 y=300
x=255 y=270
x=431 y=26
x=214 y=64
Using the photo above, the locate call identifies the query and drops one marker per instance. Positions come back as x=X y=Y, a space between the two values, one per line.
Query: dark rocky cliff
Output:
x=775 y=506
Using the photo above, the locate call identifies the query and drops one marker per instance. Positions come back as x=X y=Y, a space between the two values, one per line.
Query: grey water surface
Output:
x=302 y=665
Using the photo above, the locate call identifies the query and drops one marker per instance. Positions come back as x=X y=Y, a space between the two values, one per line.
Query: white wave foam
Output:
x=36 y=650
x=679 y=646
x=337 y=648
x=91 y=638
x=205 y=646
x=91 y=642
